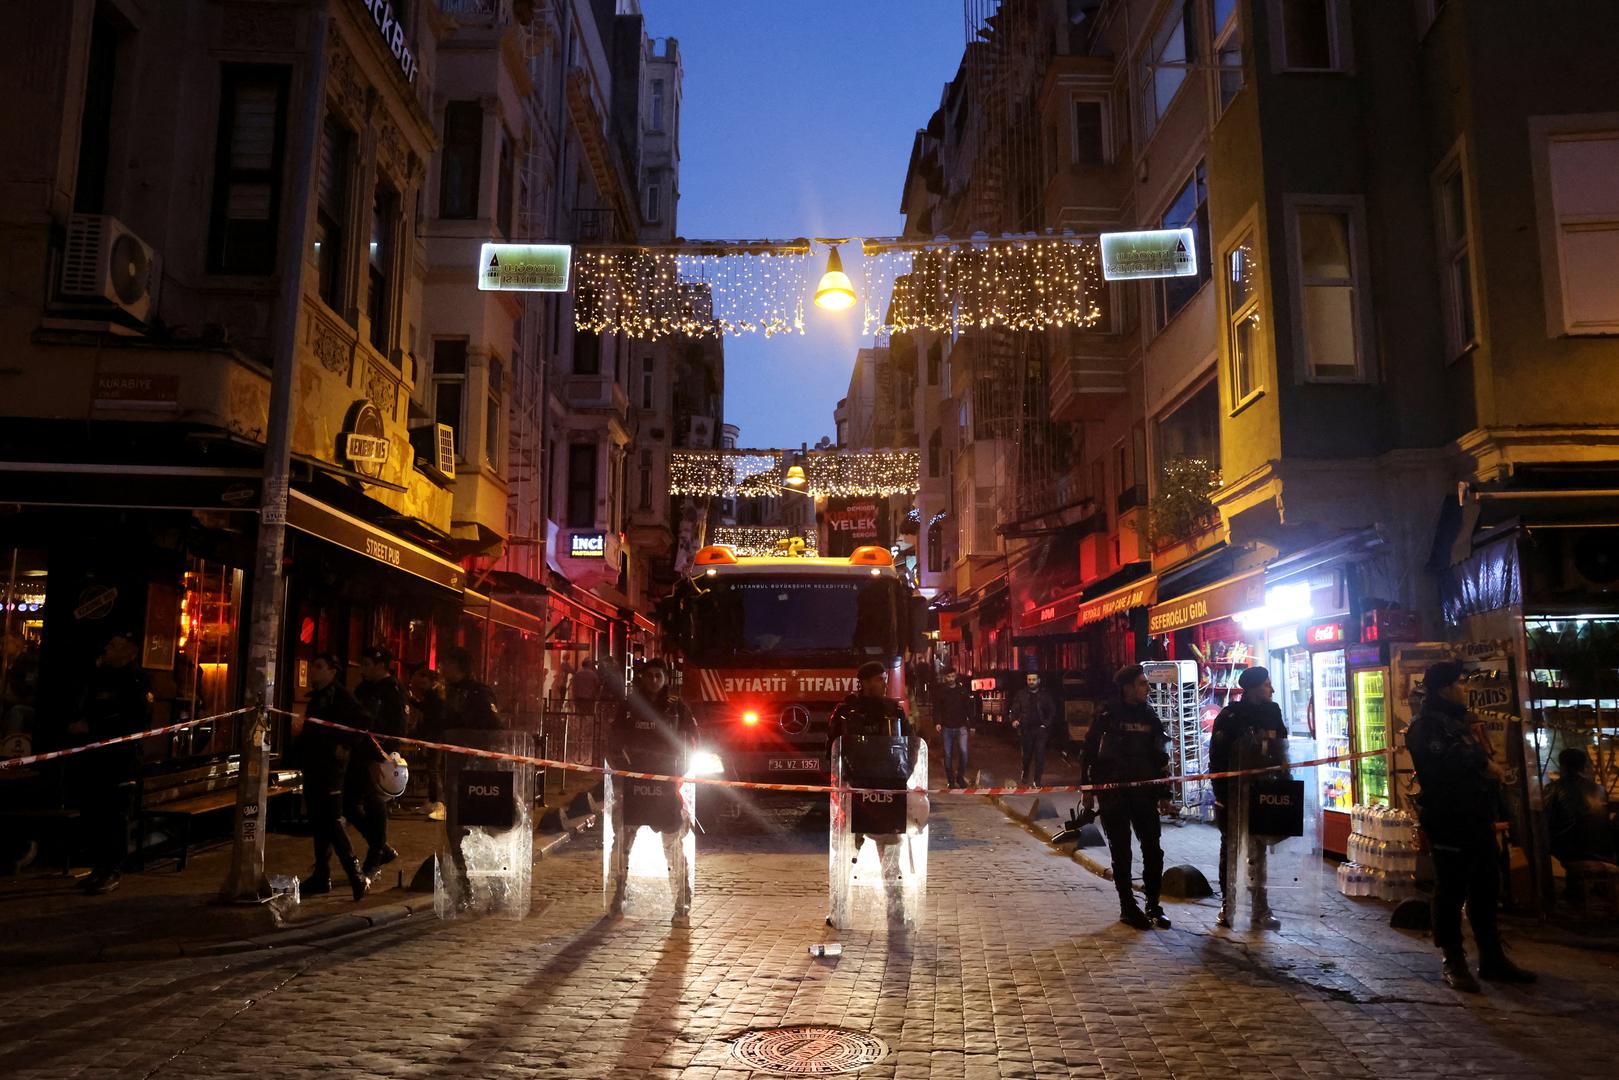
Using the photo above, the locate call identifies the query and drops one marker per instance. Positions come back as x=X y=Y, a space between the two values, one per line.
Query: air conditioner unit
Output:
x=104 y=261
x=434 y=448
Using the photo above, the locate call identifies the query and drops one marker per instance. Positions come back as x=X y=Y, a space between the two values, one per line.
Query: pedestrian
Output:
x=468 y=704
x=382 y=700
x=1248 y=734
x=585 y=688
x=1126 y=744
x=427 y=722
x=871 y=732
x=117 y=702
x=323 y=755
x=1034 y=716
x=1577 y=821
x=953 y=712
x=654 y=732
x=1458 y=806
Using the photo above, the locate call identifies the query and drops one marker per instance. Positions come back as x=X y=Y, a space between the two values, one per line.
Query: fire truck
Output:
x=770 y=646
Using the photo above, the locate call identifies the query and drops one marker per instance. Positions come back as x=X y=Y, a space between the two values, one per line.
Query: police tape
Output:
x=52 y=755
x=828 y=789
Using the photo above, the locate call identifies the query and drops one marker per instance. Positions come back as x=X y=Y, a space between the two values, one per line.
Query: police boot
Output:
x=358 y=882
x=1494 y=966
x=1457 y=976
x=1132 y=916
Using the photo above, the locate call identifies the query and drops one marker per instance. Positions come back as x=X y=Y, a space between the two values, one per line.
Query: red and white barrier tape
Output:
x=51 y=755
x=826 y=789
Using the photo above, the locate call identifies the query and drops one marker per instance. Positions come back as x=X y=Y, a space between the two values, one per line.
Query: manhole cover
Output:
x=807 y=1050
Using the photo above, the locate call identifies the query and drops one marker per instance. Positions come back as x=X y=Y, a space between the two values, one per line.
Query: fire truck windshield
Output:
x=771 y=621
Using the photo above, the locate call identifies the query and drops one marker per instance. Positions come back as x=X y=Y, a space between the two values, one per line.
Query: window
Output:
x=1121 y=466
x=646 y=383
x=1329 y=291
x=503 y=204
x=654 y=206
x=935 y=362
x=95 y=125
x=1227 y=52
x=1585 y=209
x=494 y=412
x=1455 y=258
x=247 y=176
x=450 y=387
x=587 y=357
x=935 y=548
x=657 y=104
x=1311 y=37
x=935 y=454
x=581 y=485
x=1192 y=428
x=1242 y=318
x=1190 y=209
x=646 y=479
x=1164 y=68
x=1090 y=133
x=380 y=268
x=331 y=211
x=461 y=160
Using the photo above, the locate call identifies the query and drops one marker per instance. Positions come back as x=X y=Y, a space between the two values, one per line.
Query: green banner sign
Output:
x=524 y=267
x=1155 y=253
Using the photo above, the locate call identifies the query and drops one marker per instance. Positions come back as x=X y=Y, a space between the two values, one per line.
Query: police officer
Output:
x=468 y=703
x=870 y=711
x=653 y=732
x=382 y=700
x=875 y=736
x=1034 y=715
x=1126 y=742
x=117 y=702
x=323 y=754
x=1459 y=804
x=1248 y=734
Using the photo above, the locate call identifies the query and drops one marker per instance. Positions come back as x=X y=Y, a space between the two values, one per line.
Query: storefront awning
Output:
x=1074 y=613
x=1223 y=599
x=315 y=518
x=129 y=486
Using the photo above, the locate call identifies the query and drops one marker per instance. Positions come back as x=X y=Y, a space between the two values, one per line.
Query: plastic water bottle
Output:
x=826 y=948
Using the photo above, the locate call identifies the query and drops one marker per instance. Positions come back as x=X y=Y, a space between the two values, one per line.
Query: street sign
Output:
x=524 y=267
x=1155 y=253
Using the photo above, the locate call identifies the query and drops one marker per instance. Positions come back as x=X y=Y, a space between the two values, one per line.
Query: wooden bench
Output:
x=189 y=793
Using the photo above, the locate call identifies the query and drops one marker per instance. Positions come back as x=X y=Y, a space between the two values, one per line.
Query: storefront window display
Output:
x=22 y=605
x=1574 y=692
x=206 y=646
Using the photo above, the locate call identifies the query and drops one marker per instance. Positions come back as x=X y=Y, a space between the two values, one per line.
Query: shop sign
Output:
x=159 y=642
x=364 y=442
x=949 y=628
x=524 y=267
x=393 y=36
x=317 y=519
x=984 y=686
x=852 y=523
x=135 y=390
x=587 y=545
x=1219 y=601
x=1152 y=253
x=1328 y=633
x=366 y=449
x=1141 y=594
x=96 y=602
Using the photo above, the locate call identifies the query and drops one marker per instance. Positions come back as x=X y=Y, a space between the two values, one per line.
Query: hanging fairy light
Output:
x=871 y=473
x=724 y=473
x=652 y=293
x=769 y=541
x=761 y=473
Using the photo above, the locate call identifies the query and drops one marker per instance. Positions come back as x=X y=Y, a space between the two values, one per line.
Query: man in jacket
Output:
x=953 y=712
x=427 y=722
x=1458 y=807
x=323 y=754
x=468 y=703
x=117 y=702
x=653 y=732
x=382 y=700
x=1577 y=822
x=1248 y=734
x=1126 y=742
x=1034 y=716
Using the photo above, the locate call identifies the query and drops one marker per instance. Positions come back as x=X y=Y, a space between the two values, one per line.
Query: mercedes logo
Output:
x=795 y=720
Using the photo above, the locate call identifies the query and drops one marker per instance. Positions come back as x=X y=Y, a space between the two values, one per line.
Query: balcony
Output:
x=595 y=225
x=1090 y=376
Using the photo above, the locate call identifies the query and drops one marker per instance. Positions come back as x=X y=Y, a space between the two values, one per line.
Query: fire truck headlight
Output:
x=704 y=763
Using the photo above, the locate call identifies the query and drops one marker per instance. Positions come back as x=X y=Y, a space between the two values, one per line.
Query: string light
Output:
x=761 y=473
x=764 y=540
x=652 y=294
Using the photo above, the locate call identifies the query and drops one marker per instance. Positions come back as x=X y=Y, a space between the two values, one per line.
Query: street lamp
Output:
x=796 y=477
x=836 y=291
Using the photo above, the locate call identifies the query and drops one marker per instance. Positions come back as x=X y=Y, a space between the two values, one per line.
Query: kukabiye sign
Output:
x=1154 y=253
x=524 y=267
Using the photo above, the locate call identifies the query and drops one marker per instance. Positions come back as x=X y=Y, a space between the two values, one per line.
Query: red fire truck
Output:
x=769 y=646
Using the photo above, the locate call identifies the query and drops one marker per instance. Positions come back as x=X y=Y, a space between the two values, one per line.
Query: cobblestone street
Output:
x=1017 y=970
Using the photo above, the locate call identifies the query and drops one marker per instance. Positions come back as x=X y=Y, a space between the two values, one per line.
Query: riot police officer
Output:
x=653 y=732
x=1125 y=744
x=876 y=751
x=1248 y=734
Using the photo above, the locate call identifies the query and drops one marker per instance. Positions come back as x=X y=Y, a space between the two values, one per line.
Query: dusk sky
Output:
x=798 y=121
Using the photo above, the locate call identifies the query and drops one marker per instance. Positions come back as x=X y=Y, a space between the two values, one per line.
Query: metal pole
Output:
x=246 y=882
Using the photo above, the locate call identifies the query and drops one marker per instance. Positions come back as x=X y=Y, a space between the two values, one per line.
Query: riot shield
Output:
x=878 y=850
x=1271 y=866
x=485 y=862
x=649 y=850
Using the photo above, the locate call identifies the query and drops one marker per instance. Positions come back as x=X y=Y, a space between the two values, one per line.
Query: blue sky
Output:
x=798 y=119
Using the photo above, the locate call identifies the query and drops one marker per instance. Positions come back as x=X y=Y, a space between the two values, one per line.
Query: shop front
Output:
x=1081 y=640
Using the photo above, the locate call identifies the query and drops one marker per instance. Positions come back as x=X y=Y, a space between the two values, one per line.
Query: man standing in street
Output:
x=323 y=755
x=118 y=702
x=1458 y=807
x=953 y=711
x=382 y=700
x=1127 y=742
x=468 y=703
x=1248 y=734
x=1034 y=716
x=875 y=747
x=427 y=720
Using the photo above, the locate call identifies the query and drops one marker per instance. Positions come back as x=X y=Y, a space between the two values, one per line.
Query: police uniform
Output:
x=323 y=755
x=1246 y=735
x=383 y=703
x=656 y=735
x=117 y=702
x=1125 y=743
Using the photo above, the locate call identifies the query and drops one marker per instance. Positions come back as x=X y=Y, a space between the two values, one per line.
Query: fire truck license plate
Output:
x=793 y=764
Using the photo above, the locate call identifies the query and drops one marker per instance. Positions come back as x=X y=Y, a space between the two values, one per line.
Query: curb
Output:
x=296 y=936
